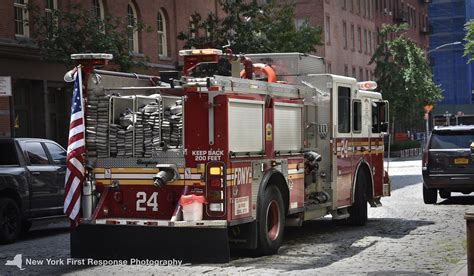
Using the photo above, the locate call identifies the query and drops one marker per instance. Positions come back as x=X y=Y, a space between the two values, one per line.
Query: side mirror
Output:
x=382 y=108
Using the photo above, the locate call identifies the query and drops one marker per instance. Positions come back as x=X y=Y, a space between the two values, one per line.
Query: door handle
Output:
x=62 y=173
x=35 y=173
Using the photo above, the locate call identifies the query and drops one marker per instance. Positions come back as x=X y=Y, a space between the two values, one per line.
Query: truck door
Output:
x=58 y=158
x=343 y=144
x=43 y=189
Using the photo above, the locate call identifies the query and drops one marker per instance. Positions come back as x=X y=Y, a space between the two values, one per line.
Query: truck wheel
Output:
x=10 y=221
x=358 y=210
x=271 y=221
x=430 y=196
x=444 y=194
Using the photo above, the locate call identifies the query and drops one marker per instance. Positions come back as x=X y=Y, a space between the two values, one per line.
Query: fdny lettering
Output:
x=243 y=176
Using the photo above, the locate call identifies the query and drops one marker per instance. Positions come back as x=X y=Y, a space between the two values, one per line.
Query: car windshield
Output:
x=8 y=154
x=452 y=140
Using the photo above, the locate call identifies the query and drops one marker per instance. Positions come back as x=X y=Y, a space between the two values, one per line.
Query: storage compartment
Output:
x=287 y=127
x=245 y=126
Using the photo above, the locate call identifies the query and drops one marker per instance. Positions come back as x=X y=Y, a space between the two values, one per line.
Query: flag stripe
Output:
x=74 y=160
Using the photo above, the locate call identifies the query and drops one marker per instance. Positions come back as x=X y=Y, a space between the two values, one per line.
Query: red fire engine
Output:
x=275 y=144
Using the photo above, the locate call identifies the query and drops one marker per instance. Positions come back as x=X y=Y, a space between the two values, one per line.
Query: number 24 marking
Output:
x=151 y=202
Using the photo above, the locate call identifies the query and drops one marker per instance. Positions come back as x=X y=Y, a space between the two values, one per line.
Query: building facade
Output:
x=350 y=29
x=40 y=101
x=450 y=68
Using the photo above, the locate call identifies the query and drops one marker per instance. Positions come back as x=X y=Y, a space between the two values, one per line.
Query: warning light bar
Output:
x=194 y=52
x=92 y=56
x=367 y=85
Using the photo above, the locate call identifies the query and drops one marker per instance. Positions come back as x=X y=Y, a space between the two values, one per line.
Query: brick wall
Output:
x=5 y=129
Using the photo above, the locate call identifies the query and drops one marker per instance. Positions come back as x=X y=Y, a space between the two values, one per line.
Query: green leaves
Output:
x=251 y=28
x=469 y=39
x=77 y=30
x=404 y=76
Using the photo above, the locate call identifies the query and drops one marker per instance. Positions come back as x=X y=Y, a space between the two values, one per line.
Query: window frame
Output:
x=161 y=34
x=23 y=22
x=344 y=118
x=98 y=4
x=131 y=28
x=359 y=119
x=53 y=161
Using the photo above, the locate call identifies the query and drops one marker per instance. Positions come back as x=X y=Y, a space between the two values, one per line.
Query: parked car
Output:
x=32 y=173
x=447 y=163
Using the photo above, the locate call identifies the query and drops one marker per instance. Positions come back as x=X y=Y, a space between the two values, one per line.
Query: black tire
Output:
x=25 y=226
x=444 y=194
x=10 y=221
x=430 y=196
x=270 y=222
x=358 y=210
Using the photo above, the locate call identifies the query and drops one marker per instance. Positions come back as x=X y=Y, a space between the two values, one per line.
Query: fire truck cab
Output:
x=287 y=144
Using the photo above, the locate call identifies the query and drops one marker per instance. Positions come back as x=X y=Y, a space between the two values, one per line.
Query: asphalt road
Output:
x=403 y=237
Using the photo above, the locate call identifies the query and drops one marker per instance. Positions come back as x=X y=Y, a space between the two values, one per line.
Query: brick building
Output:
x=350 y=29
x=39 y=104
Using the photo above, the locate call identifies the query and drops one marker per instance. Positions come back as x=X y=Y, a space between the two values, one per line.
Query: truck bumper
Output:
x=454 y=182
x=125 y=242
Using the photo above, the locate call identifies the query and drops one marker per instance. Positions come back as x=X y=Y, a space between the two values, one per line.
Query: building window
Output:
x=361 y=74
x=365 y=42
x=21 y=18
x=370 y=42
x=50 y=7
x=354 y=73
x=352 y=5
x=352 y=37
x=358 y=6
x=98 y=9
x=359 y=39
x=344 y=33
x=329 y=69
x=161 y=31
x=346 y=70
x=132 y=28
x=367 y=74
x=328 y=30
x=344 y=4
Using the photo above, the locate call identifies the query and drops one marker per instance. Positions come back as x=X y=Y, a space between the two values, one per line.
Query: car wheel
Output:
x=444 y=194
x=358 y=210
x=430 y=196
x=10 y=221
x=25 y=226
x=271 y=221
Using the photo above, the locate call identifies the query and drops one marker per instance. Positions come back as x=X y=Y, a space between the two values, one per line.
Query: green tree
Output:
x=77 y=30
x=469 y=39
x=252 y=28
x=404 y=77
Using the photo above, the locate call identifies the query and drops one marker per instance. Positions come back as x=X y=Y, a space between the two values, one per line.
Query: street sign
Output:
x=5 y=86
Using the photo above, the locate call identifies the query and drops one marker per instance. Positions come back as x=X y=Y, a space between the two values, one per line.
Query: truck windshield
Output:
x=452 y=140
x=8 y=156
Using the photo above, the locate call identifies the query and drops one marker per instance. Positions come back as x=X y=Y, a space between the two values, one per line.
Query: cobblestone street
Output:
x=405 y=236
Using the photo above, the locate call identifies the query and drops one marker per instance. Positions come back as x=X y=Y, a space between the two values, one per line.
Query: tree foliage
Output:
x=404 y=76
x=252 y=28
x=469 y=39
x=77 y=30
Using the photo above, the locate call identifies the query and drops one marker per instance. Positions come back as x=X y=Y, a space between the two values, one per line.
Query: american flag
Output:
x=75 y=159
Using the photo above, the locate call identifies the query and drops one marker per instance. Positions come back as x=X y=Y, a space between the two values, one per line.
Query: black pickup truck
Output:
x=32 y=173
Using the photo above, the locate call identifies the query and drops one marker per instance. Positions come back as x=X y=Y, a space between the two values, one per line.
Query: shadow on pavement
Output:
x=319 y=244
x=43 y=232
x=458 y=199
x=402 y=181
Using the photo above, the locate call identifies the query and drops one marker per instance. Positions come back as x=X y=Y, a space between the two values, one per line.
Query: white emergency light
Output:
x=193 y=52
x=92 y=56
x=367 y=85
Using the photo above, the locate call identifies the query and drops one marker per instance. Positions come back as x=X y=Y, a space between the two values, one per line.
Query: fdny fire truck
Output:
x=277 y=143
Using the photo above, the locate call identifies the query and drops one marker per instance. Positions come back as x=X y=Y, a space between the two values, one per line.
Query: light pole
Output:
x=444 y=45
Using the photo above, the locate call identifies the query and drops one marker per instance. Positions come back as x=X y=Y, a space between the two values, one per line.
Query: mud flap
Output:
x=125 y=242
